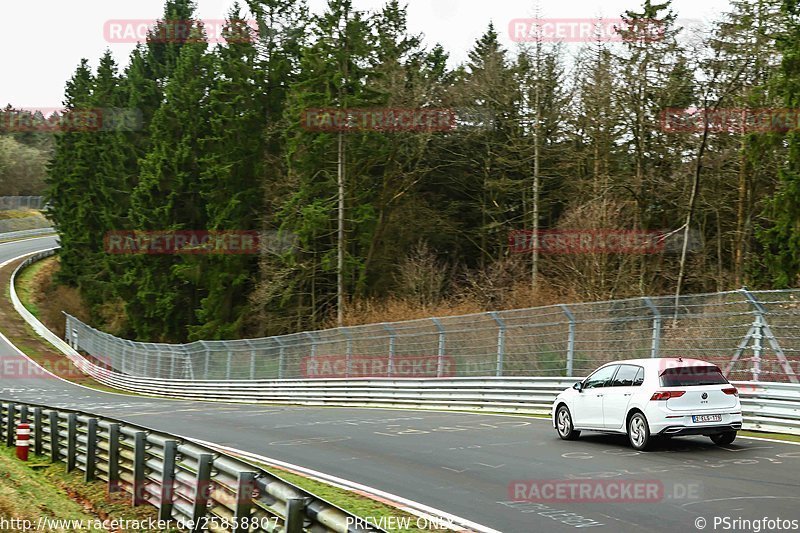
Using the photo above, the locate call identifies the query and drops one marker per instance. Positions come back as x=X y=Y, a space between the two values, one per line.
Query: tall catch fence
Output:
x=752 y=335
x=20 y=202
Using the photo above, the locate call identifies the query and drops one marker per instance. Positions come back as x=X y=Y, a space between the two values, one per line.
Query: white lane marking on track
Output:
x=733 y=498
x=404 y=504
x=491 y=466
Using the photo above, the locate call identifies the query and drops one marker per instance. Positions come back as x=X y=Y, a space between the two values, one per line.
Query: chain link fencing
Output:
x=750 y=334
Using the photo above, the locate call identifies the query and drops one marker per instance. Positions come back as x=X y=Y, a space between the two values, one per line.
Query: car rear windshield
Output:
x=688 y=376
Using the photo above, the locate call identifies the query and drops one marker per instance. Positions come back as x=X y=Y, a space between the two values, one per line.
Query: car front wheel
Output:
x=564 y=424
x=639 y=432
x=721 y=439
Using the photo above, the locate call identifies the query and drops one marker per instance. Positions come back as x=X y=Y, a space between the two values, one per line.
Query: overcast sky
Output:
x=42 y=41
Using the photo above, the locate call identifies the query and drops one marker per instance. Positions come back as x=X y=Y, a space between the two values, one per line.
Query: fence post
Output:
x=202 y=489
x=172 y=361
x=252 y=359
x=501 y=342
x=294 y=515
x=440 y=352
x=281 y=358
x=348 y=351
x=208 y=360
x=67 y=329
x=655 y=345
x=392 y=347
x=570 y=340
x=91 y=449
x=312 y=358
x=72 y=440
x=167 y=480
x=228 y=365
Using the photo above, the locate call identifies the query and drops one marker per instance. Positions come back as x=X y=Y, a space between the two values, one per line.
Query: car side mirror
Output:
x=578 y=386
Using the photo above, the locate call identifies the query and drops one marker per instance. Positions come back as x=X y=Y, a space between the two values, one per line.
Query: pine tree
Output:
x=232 y=174
x=69 y=192
x=781 y=235
x=168 y=197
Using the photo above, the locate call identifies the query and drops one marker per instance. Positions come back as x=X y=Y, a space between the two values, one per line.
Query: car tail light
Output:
x=731 y=390
x=667 y=394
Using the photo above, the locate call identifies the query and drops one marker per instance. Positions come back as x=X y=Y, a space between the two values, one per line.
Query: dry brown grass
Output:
x=395 y=309
x=51 y=299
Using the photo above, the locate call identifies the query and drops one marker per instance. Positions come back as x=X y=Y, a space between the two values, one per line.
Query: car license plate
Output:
x=706 y=418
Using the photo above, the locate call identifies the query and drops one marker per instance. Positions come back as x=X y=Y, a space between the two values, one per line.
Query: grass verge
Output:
x=394 y=519
x=775 y=436
x=28 y=341
x=40 y=489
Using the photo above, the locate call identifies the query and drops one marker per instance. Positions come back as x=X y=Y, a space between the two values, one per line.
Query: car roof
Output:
x=662 y=362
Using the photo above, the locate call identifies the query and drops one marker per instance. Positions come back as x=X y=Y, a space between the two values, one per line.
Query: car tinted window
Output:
x=639 y=379
x=600 y=378
x=626 y=376
x=688 y=376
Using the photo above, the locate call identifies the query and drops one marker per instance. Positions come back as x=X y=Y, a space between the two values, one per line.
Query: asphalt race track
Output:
x=464 y=464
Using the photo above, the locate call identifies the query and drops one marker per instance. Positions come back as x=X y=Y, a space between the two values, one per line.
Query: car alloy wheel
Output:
x=638 y=432
x=564 y=424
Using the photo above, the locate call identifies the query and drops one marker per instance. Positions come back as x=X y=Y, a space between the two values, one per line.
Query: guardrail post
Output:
x=295 y=519
x=244 y=500
x=23 y=413
x=202 y=489
x=72 y=440
x=655 y=344
x=91 y=449
x=228 y=362
x=2 y=424
x=139 y=444
x=37 y=431
x=440 y=351
x=11 y=424
x=281 y=358
x=166 y=501
x=55 y=446
x=570 y=339
x=113 y=458
x=501 y=342
x=392 y=347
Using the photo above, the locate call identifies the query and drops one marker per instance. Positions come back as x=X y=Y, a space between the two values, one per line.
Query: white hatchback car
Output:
x=651 y=397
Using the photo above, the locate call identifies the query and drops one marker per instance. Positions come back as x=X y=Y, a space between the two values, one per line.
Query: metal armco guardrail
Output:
x=196 y=486
x=767 y=406
x=26 y=233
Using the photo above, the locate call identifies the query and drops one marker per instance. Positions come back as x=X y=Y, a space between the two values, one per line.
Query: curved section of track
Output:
x=465 y=464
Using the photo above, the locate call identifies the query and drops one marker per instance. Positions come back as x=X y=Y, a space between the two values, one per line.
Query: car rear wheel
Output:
x=564 y=424
x=638 y=432
x=721 y=439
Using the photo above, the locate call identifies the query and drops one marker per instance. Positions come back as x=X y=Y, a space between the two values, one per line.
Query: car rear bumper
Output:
x=701 y=430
